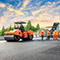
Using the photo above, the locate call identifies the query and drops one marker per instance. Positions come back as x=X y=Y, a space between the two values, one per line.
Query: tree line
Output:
x=29 y=26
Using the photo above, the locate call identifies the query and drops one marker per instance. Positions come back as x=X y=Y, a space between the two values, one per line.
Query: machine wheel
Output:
x=6 y=39
x=16 y=38
x=31 y=37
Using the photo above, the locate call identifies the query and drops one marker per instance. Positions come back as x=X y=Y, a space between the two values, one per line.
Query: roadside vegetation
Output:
x=29 y=26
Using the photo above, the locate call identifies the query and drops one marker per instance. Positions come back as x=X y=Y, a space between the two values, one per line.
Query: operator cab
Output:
x=18 y=25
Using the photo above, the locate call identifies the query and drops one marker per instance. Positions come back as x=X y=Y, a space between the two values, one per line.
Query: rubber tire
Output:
x=6 y=39
x=16 y=38
x=31 y=37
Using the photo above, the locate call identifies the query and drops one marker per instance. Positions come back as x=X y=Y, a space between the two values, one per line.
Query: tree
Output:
x=32 y=28
x=29 y=25
x=3 y=30
x=37 y=27
x=10 y=27
x=25 y=27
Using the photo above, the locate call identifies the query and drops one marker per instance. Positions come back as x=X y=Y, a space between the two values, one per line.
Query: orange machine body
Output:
x=19 y=33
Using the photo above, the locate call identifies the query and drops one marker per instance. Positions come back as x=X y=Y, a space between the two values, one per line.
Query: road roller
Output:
x=19 y=33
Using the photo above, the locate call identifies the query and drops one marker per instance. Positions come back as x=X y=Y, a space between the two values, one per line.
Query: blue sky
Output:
x=44 y=12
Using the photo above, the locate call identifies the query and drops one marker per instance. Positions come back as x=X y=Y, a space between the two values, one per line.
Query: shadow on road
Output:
x=30 y=41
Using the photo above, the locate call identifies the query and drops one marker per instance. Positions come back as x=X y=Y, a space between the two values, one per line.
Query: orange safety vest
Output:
x=55 y=33
x=49 y=34
x=42 y=33
x=36 y=34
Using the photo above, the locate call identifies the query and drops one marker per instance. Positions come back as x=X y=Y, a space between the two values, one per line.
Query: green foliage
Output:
x=29 y=25
x=37 y=27
x=13 y=28
x=10 y=28
x=0 y=31
x=32 y=28
x=25 y=27
x=3 y=30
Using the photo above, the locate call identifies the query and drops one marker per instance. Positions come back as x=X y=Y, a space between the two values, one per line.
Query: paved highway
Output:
x=30 y=50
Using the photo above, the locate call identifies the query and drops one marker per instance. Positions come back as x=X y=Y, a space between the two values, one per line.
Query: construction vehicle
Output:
x=18 y=33
x=55 y=27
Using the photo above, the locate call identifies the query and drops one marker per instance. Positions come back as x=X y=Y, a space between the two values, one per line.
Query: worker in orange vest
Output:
x=48 y=35
x=56 y=34
x=42 y=34
x=35 y=34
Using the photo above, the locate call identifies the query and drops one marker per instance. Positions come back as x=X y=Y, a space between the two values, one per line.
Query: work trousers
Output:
x=42 y=37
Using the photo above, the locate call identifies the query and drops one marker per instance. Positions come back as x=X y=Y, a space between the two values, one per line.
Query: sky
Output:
x=44 y=12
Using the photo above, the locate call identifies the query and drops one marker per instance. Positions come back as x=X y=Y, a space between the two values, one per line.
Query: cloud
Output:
x=45 y=14
x=2 y=5
x=16 y=11
x=3 y=18
x=36 y=12
x=26 y=12
x=19 y=3
x=48 y=6
x=0 y=24
x=39 y=3
x=25 y=3
x=7 y=15
x=57 y=18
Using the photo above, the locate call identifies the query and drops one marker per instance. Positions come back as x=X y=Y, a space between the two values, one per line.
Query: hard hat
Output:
x=47 y=31
x=42 y=30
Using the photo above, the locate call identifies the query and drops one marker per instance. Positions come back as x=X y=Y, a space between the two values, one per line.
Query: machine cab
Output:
x=17 y=25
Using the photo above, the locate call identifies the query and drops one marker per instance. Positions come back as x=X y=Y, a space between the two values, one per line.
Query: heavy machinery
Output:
x=18 y=33
x=54 y=27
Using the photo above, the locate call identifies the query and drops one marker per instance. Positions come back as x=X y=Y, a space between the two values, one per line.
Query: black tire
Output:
x=6 y=39
x=31 y=37
x=16 y=38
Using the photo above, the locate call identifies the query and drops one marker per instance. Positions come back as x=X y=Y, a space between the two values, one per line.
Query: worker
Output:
x=51 y=33
x=22 y=27
x=35 y=34
x=48 y=35
x=56 y=34
x=42 y=34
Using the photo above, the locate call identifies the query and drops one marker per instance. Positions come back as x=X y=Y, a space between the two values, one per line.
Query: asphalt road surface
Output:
x=30 y=50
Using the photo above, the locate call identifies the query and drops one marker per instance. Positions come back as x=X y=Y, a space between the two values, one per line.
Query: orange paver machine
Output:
x=18 y=33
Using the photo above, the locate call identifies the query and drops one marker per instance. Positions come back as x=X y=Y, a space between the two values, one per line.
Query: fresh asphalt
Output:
x=30 y=50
